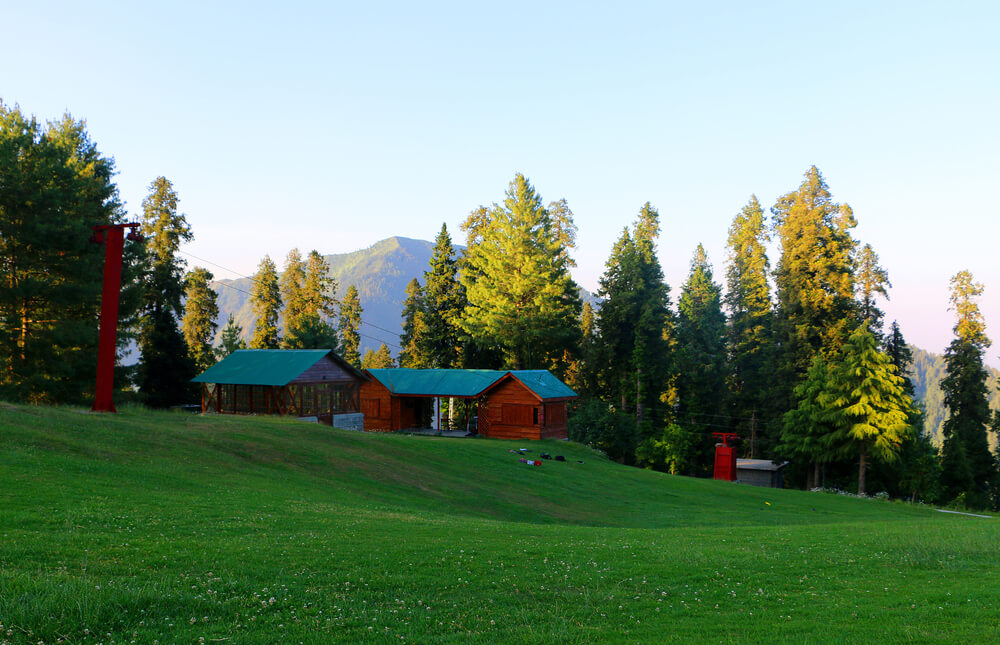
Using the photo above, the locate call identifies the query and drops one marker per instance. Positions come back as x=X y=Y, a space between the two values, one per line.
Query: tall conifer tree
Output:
x=413 y=353
x=632 y=321
x=54 y=186
x=265 y=299
x=350 y=325
x=814 y=277
x=969 y=470
x=872 y=282
x=901 y=356
x=872 y=411
x=809 y=421
x=917 y=472
x=444 y=303
x=521 y=298
x=309 y=325
x=319 y=287
x=165 y=367
x=293 y=297
x=628 y=356
x=200 y=311
x=749 y=330
x=701 y=357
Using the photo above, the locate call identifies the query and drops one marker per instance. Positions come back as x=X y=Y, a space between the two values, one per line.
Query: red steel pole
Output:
x=113 y=237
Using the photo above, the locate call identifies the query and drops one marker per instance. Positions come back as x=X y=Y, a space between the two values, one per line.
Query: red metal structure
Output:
x=725 y=456
x=113 y=237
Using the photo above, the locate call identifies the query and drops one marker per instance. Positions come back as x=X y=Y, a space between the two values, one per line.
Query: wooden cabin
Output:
x=525 y=404
x=520 y=404
x=297 y=382
x=403 y=398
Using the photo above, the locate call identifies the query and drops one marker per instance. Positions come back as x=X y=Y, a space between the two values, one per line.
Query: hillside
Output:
x=150 y=526
x=926 y=373
x=380 y=273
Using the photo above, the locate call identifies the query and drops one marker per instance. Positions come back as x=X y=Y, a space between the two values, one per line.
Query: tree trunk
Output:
x=862 y=467
x=638 y=395
x=815 y=476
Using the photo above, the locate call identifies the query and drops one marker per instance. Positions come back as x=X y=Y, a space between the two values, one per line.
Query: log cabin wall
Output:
x=512 y=412
x=377 y=404
x=555 y=426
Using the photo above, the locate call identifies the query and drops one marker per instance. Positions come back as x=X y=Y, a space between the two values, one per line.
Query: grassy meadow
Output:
x=148 y=527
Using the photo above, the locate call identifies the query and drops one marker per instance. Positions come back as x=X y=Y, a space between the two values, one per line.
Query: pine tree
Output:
x=413 y=353
x=872 y=281
x=319 y=287
x=632 y=321
x=917 y=472
x=293 y=297
x=701 y=357
x=521 y=298
x=165 y=367
x=814 y=276
x=873 y=414
x=265 y=299
x=308 y=319
x=381 y=359
x=969 y=471
x=749 y=332
x=232 y=339
x=200 y=312
x=350 y=324
x=900 y=355
x=54 y=186
x=629 y=355
x=443 y=304
x=807 y=424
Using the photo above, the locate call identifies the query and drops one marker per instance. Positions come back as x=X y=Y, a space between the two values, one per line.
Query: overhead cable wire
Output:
x=235 y=288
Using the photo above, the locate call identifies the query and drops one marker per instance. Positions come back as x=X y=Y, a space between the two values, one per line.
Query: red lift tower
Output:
x=725 y=456
x=113 y=238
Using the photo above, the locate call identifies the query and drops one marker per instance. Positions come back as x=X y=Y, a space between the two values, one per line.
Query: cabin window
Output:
x=534 y=416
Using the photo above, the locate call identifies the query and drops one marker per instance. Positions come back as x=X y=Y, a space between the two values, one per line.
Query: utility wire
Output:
x=251 y=278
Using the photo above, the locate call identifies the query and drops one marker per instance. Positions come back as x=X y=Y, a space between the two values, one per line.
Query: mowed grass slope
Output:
x=166 y=527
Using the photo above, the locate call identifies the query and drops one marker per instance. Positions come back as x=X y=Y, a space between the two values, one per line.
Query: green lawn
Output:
x=144 y=527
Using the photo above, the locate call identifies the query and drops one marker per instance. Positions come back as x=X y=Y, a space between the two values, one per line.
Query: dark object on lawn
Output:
x=579 y=461
x=545 y=455
x=560 y=458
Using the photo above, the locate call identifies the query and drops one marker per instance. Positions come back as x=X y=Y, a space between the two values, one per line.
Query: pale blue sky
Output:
x=334 y=125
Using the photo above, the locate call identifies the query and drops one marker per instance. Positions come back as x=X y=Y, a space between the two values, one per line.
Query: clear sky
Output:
x=333 y=125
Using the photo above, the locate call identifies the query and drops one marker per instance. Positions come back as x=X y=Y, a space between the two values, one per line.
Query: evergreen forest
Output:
x=791 y=353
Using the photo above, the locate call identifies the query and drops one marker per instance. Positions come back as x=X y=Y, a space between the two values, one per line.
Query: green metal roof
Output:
x=544 y=384
x=467 y=383
x=416 y=382
x=262 y=366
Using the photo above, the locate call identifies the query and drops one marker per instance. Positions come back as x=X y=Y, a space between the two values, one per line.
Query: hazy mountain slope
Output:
x=379 y=272
x=926 y=373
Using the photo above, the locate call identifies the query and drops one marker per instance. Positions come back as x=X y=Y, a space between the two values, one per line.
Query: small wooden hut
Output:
x=297 y=382
x=520 y=404
x=525 y=404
